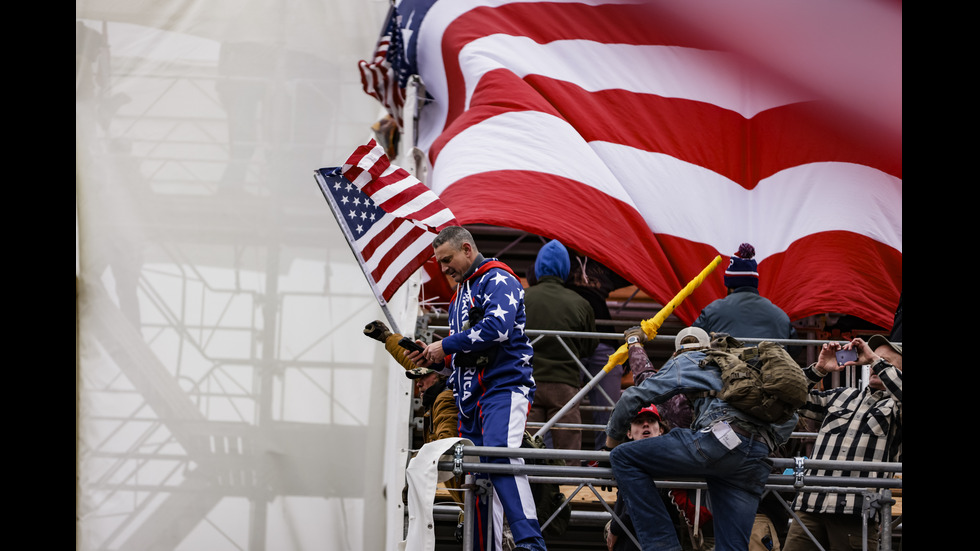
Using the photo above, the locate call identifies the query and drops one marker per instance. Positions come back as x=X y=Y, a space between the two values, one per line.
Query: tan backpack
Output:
x=763 y=381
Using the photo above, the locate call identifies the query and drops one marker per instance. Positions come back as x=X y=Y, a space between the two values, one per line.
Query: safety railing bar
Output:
x=746 y=340
x=884 y=466
x=599 y=428
x=567 y=426
x=596 y=473
x=778 y=462
x=864 y=484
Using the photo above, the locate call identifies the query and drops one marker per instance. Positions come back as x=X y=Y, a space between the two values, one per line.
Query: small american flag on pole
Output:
x=383 y=77
x=388 y=216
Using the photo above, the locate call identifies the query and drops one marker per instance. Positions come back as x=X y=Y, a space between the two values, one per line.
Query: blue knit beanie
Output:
x=742 y=270
x=552 y=260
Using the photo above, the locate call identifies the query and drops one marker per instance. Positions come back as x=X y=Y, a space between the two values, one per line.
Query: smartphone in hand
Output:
x=844 y=356
x=410 y=345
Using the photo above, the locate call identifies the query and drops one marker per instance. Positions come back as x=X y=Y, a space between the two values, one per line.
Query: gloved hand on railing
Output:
x=635 y=331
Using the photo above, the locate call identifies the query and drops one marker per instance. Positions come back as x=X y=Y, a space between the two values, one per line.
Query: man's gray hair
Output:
x=455 y=236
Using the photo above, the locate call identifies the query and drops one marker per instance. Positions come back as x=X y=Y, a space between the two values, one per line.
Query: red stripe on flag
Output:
x=371 y=246
x=578 y=214
x=370 y=169
x=695 y=132
x=544 y=22
x=414 y=235
x=601 y=221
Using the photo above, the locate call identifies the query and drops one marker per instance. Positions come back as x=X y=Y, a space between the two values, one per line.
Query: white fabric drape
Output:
x=226 y=397
x=423 y=477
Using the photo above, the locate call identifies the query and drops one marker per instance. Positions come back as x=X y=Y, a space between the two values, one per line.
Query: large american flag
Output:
x=388 y=216
x=644 y=137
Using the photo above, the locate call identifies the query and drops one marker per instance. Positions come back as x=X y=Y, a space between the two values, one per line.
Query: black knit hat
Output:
x=742 y=270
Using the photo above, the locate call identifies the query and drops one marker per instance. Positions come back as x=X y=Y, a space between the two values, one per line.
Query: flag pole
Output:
x=335 y=209
x=652 y=325
x=650 y=328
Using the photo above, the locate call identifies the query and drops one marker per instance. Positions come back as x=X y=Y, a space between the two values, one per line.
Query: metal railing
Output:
x=877 y=502
x=428 y=331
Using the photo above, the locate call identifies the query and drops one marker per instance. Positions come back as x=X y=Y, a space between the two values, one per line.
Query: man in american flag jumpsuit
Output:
x=490 y=357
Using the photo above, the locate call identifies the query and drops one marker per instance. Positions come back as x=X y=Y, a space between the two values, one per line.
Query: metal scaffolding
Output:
x=876 y=492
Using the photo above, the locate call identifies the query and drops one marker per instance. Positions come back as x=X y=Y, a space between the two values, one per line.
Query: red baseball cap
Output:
x=649 y=409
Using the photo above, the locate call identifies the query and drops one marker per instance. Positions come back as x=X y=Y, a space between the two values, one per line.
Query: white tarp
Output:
x=227 y=398
x=423 y=476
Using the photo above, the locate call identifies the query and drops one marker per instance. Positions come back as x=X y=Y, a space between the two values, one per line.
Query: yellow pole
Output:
x=652 y=325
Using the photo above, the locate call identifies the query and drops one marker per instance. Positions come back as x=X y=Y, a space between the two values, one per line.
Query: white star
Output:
x=526 y=359
x=343 y=199
x=336 y=185
x=499 y=312
x=510 y=297
x=499 y=278
x=475 y=336
x=357 y=201
x=407 y=34
x=353 y=214
x=371 y=217
x=360 y=229
x=363 y=215
x=349 y=187
x=519 y=327
x=501 y=337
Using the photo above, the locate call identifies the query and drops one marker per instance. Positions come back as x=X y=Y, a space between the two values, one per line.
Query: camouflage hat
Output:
x=418 y=372
x=877 y=340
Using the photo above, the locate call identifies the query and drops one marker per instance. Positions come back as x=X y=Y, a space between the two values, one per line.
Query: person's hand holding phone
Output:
x=827 y=359
x=415 y=351
x=865 y=356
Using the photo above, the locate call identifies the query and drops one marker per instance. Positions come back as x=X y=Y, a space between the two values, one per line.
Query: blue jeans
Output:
x=736 y=480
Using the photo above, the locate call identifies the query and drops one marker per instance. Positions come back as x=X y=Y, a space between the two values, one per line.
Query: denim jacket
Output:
x=683 y=374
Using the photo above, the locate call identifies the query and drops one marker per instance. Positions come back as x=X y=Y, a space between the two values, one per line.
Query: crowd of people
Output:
x=487 y=379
